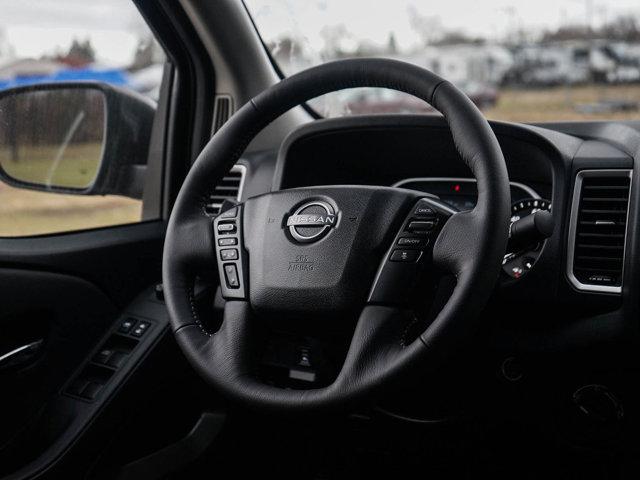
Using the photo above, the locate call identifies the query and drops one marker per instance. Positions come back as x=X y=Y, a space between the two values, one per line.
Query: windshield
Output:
x=535 y=61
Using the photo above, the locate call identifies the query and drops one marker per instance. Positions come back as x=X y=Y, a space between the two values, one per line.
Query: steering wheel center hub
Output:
x=306 y=255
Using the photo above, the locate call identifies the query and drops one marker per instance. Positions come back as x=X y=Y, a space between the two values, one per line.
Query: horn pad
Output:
x=317 y=250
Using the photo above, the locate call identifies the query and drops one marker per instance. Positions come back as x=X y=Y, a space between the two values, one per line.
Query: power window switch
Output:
x=91 y=390
x=103 y=356
x=76 y=387
x=141 y=328
x=126 y=325
x=117 y=359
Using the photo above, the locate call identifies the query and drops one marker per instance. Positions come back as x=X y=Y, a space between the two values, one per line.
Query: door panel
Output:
x=121 y=260
x=67 y=314
x=66 y=291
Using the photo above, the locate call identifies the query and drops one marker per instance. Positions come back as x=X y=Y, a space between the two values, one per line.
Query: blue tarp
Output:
x=113 y=76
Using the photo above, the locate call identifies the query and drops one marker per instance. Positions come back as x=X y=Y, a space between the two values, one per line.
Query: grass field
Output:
x=559 y=103
x=27 y=212
x=24 y=212
x=77 y=166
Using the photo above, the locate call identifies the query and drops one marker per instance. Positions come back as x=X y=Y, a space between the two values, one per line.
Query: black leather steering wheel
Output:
x=334 y=252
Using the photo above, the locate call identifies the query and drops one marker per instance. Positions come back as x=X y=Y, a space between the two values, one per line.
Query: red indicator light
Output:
x=456 y=188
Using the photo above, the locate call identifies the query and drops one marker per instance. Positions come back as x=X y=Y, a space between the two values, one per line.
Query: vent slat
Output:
x=600 y=247
x=601 y=221
x=605 y=199
x=227 y=190
x=222 y=111
x=606 y=187
x=599 y=211
x=601 y=235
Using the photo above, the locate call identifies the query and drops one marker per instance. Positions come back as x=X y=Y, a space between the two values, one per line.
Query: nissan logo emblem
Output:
x=312 y=221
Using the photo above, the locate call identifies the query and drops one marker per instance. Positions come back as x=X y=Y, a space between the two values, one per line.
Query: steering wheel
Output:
x=334 y=252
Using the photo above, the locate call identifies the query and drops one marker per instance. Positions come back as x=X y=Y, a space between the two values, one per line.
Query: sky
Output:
x=374 y=19
x=37 y=27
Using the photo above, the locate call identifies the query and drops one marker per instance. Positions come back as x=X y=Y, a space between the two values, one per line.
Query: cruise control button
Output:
x=424 y=211
x=421 y=226
x=229 y=254
x=405 y=255
x=226 y=227
x=413 y=242
x=227 y=242
x=231 y=276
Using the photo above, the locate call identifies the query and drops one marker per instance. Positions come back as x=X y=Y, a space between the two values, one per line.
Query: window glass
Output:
x=57 y=41
x=543 y=60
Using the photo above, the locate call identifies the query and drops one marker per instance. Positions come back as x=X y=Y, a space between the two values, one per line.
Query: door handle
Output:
x=20 y=355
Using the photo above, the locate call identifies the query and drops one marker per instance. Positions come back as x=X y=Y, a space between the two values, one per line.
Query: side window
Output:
x=79 y=83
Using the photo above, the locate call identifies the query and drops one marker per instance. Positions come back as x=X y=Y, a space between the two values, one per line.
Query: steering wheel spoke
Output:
x=228 y=358
x=459 y=243
x=410 y=253
x=194 y=255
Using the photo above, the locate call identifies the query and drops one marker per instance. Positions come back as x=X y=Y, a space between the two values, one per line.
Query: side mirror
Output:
x=84 y=138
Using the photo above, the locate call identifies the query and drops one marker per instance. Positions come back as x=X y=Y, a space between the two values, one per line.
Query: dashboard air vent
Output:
x=222 y=111
x=598 y=229
x=229 y=188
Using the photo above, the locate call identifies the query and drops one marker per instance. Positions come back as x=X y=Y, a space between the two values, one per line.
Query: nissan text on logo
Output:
x=312 y=221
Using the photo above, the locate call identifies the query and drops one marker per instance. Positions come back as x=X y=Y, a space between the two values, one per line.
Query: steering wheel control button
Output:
x=227 y=242
x=229 y=254
x=412 y=242
x=231 y=275
x=424 y=211
x=312 y=221
x=231 y=213
x=226 y=227
x=401 y=255
x=404 y=264
x=421 y=226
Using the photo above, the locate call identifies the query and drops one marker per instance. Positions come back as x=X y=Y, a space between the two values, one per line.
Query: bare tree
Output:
x=427 y=27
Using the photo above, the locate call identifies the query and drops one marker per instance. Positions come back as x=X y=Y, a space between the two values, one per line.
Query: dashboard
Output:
x=584 y=271
x=409 y=153
x=565 y=308
x=462 y=194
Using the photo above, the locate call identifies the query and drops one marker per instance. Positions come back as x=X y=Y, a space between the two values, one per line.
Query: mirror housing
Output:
x=128 y=121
